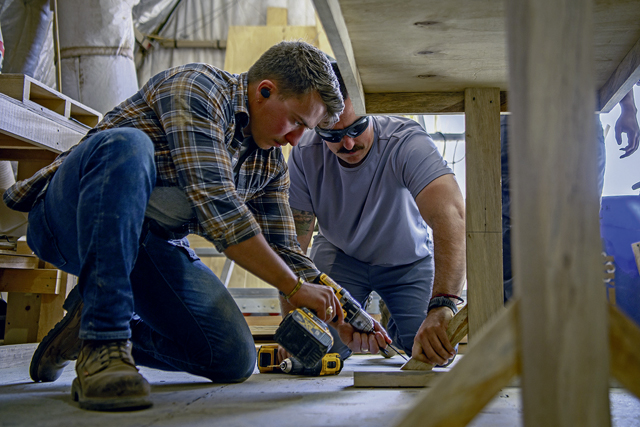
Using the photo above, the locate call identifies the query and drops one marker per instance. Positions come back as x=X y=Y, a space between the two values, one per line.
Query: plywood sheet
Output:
x=449 y=45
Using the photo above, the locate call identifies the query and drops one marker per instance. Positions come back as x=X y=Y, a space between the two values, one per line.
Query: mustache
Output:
x=353 y=150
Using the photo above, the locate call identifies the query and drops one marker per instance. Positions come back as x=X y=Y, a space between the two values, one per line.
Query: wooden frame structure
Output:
x=449 y=56
x=37 y=123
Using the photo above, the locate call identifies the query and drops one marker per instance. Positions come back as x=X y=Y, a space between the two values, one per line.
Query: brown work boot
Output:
x=108 y=379
x=61 y=345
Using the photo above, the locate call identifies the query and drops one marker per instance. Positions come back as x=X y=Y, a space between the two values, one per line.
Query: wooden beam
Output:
x=552 y=163
x=621 y=81
x=457 y=329
x=336 y=29
x=51 y=311
x=624 y=342
x=421 y=103
x=28 y=154
x=25 y=124
x=484 y=206
x=23 y=314
x=456 y=397
x=394 y=379
x=19 y=261
x=39 y=281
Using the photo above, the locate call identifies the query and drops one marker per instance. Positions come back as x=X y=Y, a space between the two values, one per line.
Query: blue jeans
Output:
x=405 y=289
x=135 y=284
x=507 y=272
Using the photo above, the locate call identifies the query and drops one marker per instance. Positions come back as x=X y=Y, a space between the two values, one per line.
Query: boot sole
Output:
x=71 y=305
x=129 y=403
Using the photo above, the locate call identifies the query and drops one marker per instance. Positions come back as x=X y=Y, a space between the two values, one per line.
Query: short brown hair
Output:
x=300 y=68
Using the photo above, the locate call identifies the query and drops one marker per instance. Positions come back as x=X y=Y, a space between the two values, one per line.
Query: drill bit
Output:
x=386 y=352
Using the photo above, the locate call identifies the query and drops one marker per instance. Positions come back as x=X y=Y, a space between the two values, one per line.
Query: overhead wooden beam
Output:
x=421 y=103
x=552 y=164
x=333 y=22
x=456 y=397
x=621 y=81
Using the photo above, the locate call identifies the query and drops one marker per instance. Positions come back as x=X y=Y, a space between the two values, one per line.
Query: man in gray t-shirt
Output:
x=375 y=183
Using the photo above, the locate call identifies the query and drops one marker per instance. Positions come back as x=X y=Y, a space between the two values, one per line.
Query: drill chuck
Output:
x=353 y=311
x=331 y=364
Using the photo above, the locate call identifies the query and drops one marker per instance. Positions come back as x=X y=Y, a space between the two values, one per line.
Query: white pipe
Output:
x=96 y=47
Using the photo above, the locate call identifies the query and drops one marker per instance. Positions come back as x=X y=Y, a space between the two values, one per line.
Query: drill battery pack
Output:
x=267 y=356
x=304 y=335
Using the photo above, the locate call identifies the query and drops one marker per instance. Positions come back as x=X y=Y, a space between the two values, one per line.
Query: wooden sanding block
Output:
x=457 y=329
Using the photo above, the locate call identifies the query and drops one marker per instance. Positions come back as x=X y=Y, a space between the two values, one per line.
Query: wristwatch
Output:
x=442 y=302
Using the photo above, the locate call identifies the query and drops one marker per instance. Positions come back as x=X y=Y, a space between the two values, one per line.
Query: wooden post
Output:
x=558 y=269
x=484 y=207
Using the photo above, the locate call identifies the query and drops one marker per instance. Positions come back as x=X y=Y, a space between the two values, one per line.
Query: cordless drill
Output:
x=302 y=333
x=330 y=364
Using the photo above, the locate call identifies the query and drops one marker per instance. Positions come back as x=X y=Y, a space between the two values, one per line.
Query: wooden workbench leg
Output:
x=24 y=309
x=51 y=311
x=484 y=206
x=23 y=314
x=557 y=264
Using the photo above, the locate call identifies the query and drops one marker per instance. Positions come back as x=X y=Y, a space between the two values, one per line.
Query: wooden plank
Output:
x=483 y=206
x=263 y=320
x=323 y=41
x=455 y=398
x=457 y=329
x=245 y=44
x=393 y=379
x=454 y=44
x=39 y=281
x=24 y=88
x=420 y=103
x=28 y=90
x=15 y=86
x=19 y=261
x=25 y=124
x=263 y=329
x=446 y=46
x=8 y=142
x=336 y=30
x=277 y=16
x=624 y=342
x=621 y=81
x=31 y=153
x=26 y=168
x=23 y=314
x=563 y=321
x=83 y=114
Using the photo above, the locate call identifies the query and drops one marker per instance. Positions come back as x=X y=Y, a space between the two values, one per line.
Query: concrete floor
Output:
x=265 y=399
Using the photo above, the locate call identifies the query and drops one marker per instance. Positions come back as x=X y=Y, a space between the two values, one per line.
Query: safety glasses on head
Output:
x=354 y=130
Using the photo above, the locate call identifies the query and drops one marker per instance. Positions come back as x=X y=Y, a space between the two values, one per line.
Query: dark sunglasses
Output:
x=354 y=130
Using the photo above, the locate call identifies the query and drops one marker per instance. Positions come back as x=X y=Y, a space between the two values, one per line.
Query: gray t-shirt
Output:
x=369 y=211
